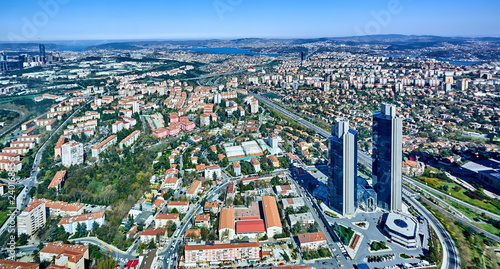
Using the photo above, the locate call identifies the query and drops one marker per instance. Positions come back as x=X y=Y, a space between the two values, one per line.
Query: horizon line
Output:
x=236 y=38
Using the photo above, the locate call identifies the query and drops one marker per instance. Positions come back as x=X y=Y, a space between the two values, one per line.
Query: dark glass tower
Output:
x=387 y=158
x=342 y=186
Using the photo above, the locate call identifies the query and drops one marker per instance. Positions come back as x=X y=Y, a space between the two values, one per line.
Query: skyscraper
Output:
x=42 y=52
x=342 y=186
x=387 y=157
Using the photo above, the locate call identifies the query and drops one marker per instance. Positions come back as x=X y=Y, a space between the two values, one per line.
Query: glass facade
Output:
x=387 y=158
x=342 y=185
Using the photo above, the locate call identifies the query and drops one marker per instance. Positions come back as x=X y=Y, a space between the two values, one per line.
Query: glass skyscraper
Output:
x=387 y=158
x=342 y=185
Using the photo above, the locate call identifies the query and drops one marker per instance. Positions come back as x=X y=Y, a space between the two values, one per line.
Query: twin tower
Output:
x=386 y=162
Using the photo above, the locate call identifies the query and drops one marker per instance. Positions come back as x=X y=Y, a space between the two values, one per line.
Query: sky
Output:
x=48 y=20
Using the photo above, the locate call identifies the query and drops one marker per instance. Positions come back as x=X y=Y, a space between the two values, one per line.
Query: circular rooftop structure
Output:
x=402 y=229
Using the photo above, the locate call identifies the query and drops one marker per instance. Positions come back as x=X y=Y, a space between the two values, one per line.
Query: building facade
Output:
x=342 y=185
x=387 y=158
x=72 y=153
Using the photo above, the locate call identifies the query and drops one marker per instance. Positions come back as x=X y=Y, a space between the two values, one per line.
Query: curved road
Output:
x=450 y=256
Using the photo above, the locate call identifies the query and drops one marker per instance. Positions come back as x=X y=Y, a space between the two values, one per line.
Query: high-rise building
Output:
x=387 y=157
x=32 y=218
x=72 y=153
x=42 y=52
x=342 y=186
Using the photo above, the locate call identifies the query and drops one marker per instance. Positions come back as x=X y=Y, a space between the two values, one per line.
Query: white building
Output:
x=70 y=223
x=71 y=153
x=32 y=218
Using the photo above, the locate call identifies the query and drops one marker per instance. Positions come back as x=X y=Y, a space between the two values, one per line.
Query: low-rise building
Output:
x=295 y=203
x=202 y=220
x=181 y=206
x=70 y=223
x=212 y=207
x=194 y=189
x=105 y=144
x=226 y=223
x=162 y=220
x=271 y=216
x=252 y=228
x=312 y=241
x=216 y=252
x=301 y=218
x=58 y=180
x=151 y=234
x=7 y=264
x=71 y=256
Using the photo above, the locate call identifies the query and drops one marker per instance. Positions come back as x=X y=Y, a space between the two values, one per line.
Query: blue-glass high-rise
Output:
x=343 y=154
x=387 y=158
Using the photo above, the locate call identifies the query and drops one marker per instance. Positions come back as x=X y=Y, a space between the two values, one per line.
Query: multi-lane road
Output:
x=450 y=259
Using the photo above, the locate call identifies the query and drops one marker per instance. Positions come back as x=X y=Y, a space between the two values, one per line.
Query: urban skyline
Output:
x=249 y=134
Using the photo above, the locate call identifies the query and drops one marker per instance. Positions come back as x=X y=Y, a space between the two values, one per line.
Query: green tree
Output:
x=105 y=263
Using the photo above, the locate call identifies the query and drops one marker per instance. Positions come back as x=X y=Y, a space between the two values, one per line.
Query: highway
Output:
x=450 y=258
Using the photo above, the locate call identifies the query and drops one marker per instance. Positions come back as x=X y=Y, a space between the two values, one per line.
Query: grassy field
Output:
x=473 y=215
x=458 y=192
x=475 y=250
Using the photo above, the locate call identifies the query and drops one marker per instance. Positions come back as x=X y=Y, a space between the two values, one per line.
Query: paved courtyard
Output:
x=373 y=233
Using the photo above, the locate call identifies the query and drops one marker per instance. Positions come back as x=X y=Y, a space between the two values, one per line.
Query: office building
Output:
x=342 y=185
x=387 y=158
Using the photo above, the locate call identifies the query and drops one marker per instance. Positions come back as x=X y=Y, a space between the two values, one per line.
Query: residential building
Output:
x=101 y=147
x=343 y=151
x=58 y=180
x=256 y=165
x=71 y=153
x=194 y=189
x=71 y=256
x=7 y=264
x=181 y=206
x=236 y=168
x=70 y=223
x=295 y=203
x=312 y=241
x=387 y=158
x=130 y=139
x=212 y=207
x=32 y=218
x=216 y=252
x=151 y=234
x=301 y=218
x=162 y=220
x=202 y=220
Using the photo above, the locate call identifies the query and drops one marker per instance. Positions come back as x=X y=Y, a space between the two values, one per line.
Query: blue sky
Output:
x=25 y=20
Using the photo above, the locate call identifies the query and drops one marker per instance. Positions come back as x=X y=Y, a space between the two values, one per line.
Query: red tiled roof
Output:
x=250 y=226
